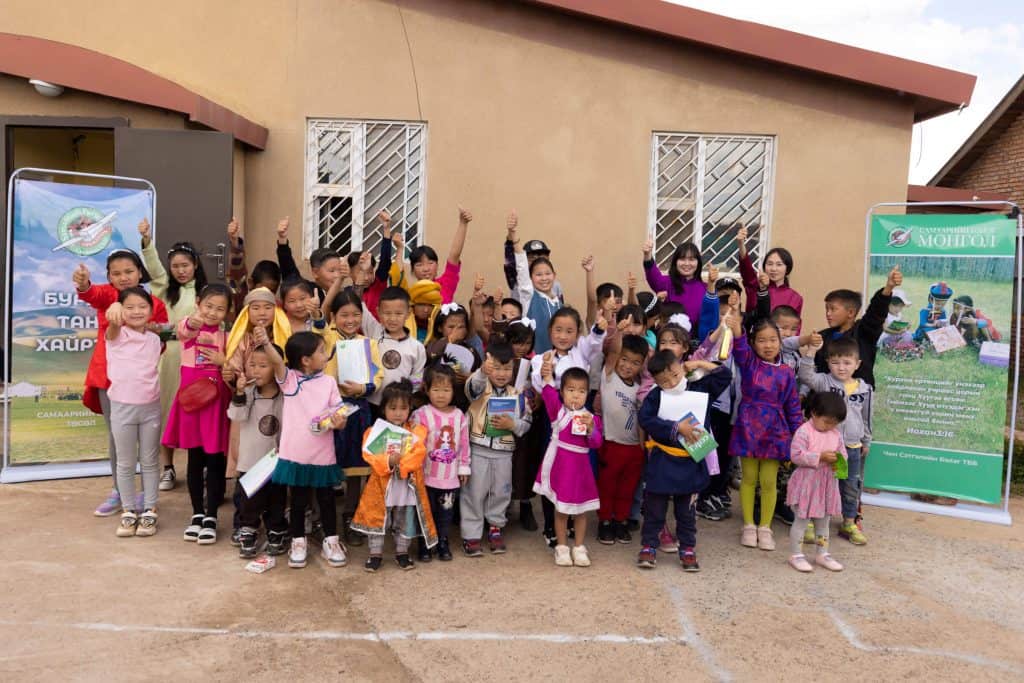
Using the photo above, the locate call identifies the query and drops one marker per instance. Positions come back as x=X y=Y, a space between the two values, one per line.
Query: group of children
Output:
x=428 y=413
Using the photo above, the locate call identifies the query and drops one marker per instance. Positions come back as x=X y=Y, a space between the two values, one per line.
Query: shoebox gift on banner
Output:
x=995 y=354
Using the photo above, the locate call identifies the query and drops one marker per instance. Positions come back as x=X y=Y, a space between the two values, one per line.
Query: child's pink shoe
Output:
x=765 y=538
x=800 y=563
x=667 y=542
x=749 y=536
x=828 y=562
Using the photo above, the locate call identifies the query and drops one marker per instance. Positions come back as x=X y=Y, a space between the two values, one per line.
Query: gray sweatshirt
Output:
x=856 y=428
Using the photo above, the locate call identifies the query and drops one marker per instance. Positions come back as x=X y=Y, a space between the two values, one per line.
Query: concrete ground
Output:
x=929 y=597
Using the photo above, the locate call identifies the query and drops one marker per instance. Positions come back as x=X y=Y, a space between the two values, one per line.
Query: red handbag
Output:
x=197 y=395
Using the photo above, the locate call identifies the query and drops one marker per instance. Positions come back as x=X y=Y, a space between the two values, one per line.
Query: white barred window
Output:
x=353 y=170
x=703 y=187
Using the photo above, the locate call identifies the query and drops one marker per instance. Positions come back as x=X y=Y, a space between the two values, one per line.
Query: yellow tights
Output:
x=755 y=470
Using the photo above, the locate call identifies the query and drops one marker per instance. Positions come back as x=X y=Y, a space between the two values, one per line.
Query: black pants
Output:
x=267 y=505
x=655 y=510
x=442 y=507
x=721 y=429
x=213 y=466
x=237 y=496
x=301 y=496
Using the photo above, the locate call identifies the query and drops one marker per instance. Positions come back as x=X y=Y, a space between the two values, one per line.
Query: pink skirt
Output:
x=813 y=492
x=567 y=480
x=207 y=428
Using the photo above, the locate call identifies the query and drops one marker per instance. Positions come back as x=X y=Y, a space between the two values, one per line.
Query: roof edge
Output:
x=935 y=193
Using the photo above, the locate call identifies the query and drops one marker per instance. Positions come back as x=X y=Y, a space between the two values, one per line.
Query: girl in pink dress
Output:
x=566 y=477
x=813 y=491
x=203 y=430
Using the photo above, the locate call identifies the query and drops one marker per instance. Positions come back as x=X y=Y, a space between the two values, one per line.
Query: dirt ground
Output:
x=929 y=597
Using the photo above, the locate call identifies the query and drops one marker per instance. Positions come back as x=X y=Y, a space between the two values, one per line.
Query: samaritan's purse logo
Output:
x=899 y=237
x=84 y=231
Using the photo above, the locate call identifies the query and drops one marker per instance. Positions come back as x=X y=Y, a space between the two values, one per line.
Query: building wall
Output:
x=526 y=109
x=1000 y=168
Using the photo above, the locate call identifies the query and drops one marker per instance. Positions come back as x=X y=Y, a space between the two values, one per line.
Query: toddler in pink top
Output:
x=813 y=490
x=446 y=467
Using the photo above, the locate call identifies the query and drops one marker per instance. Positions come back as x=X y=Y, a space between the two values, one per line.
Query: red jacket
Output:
x=778 y=296
x=100 y=297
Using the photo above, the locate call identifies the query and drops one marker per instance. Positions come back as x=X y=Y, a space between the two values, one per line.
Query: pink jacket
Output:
x=447 y=446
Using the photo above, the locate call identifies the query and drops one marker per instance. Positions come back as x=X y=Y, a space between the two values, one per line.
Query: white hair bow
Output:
x=682 y=320
x=526 y=322
x=448 y=309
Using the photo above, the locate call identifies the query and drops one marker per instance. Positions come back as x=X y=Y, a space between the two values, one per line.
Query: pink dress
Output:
x=813 y=490
x=207 y=428
x=565 y=476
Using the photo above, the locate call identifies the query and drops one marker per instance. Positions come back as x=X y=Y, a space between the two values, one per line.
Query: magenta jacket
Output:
x=779 y=296
x=691 y=295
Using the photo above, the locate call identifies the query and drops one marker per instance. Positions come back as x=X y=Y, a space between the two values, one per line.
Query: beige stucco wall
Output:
x=526 y=108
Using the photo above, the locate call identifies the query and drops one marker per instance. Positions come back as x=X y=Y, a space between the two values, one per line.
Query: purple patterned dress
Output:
x=769 y=412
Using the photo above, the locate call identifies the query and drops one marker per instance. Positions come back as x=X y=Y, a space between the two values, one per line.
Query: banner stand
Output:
x=12 y=473
x=962 y=510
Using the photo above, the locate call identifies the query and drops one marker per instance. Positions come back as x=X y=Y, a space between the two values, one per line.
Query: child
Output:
x=933 y=316
x=975 y=327
x=450 y=329
x=535 y=293
x=671 y=474
x=395 y=497
x=326 y=265
x=894 y=329
x=527 y=455
x=179 y=292
x=401 y=355
x=447 y=465
x=423 y=261
x=199 y=424
x=306 y=463
x=769 y=413
x=683 y=284
x=260 y=311
x=345 y=309
x=788 y=321
x=843 y=360
x=515 y=265
x=256 y=405
x=566 y=477
x=487 y=495
x=301 y=305
x=621 y=458
x=133 y=354
x=813 y=491
x=841 y=308
x=124 y=270
x=777 y=266
x=425 y=296
x=264 y=273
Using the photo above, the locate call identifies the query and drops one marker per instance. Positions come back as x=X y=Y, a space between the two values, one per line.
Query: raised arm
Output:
x=284 y=253
x=151 y=259
x=273 y=356
x=658 y=281
x=511 y=240
x=115 y=318
x=588 y=278
x=237 y=275
x=459 y=240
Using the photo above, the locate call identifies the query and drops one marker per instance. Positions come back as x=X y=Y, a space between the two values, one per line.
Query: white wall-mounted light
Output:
x=46 y=89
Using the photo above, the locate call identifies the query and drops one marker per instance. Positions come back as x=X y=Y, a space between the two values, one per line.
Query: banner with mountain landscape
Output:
x=55 y=227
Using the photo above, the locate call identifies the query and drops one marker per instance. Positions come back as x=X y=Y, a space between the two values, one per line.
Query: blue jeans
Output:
x=849 y=488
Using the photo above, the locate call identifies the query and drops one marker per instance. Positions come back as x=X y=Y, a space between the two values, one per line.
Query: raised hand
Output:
x=763 y=280
x=602 y=322
x=81 y=277
x=233 y=231
x=588 y=264
x=385 y=219
x=712 y=277
x=511 y=226
x=115 y=314
x=259 y=336
x=487 y=368
x=547 y=367
x=144 y=231
x=894 y=280
x=282 y=230
x=631 y=282
x=741 y=235
x=648 y=248
x=465 y=216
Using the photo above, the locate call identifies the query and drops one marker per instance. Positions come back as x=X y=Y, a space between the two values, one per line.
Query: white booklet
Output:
x=674 y=407
x=353 y=360
x=259 y=474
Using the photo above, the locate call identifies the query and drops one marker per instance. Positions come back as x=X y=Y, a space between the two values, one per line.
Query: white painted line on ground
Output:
x=851 y=636
x=382 y=637
x=691 y=637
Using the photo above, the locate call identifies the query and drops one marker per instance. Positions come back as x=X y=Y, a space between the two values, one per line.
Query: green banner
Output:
x=943 y=362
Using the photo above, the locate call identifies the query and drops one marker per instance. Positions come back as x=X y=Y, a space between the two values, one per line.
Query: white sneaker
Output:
x=129 y=521
x=580 y=558
x=297 y=555
x=562 y=556
x=167 y=479
x=334 y=552
x=147 y=523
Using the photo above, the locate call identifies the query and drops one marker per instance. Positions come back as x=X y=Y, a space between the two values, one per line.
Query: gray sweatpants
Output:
x=136 y=431
x=487 y=494
x=111 y=446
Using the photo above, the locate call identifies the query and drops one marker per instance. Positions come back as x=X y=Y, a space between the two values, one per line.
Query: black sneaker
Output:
x=633 y=525
x=277 y=543
x=526 y=518
x=247 y=543
x=784 y=514
x=351 y=536
x=423 y=553
x=404 y=561
x=236 y=535
x=373 y=562
x=606 y=532
x=648 y=558
x=622 y=534
x=722 y=505
x=549 y=538
x=726 y=500
x=707 y=509
x=688 y=559
x=570 y=528
x=444 y=553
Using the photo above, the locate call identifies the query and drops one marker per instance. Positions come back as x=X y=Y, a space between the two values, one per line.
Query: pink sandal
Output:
x=800 y=563
x=828 y=562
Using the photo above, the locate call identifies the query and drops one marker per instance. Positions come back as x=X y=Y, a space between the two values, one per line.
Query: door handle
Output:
x=220 y=255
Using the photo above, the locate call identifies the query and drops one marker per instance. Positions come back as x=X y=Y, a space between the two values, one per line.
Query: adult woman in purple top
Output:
x=683 y=283
x=777 y=264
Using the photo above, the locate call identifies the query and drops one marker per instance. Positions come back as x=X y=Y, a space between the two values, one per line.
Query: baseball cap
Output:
x=536 y=247
x=727 y=283
x=901 y=295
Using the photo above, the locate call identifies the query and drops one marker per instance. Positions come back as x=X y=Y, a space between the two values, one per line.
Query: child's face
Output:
x=213 y=309
x=122 y=274
x=543 y=278
x=261 y=313
x=564 y=333
x=397 y=412
x=137 y=312
x=629 y=365
x=610 y=304
x=501 y=374
x=823 y=423
x=767 y=344
x=348 y=319
x=328 y=272
x=362 y=277
x=510 y=311
x=296 y=303
x=182 y=268
x=441 y=392
x=574 y=394
x=788 y=325
x=422 y=312
x=454 y=328
x=897 y=306
x=259 y=369
x=522 y=349
x=425 y=269
x=316 y=362
x=635 y=328
x=843 y=367
x=669 y=341
x=670 y=377
x=488 y=313
x=775 y=269
x=392 y=315
x=839 y=314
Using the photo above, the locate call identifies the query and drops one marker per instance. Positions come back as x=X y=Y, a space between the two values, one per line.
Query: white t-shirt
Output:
x=619 y=410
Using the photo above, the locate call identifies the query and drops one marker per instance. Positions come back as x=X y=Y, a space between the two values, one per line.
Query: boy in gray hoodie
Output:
x=843 y=360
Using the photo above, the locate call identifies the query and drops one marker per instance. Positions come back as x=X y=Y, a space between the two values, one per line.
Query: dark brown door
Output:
x=193 y=175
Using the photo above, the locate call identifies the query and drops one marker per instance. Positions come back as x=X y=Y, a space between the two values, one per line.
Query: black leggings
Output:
x=300 y=501
x=214 y=466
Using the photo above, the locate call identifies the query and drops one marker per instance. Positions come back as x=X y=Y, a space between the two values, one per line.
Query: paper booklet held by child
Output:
x=685 y=406
x=841 y=466
x=500 y=405
x=354 y=360
x=259 y=474
x=385 y=439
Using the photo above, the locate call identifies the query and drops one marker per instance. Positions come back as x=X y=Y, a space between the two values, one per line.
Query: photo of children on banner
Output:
x=933 y=316
x=896 y=330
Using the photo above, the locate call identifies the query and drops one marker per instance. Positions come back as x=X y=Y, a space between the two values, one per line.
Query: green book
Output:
x=500 y=405
x=704 y=444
